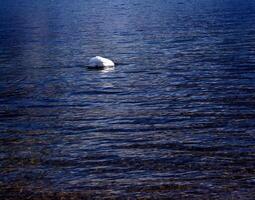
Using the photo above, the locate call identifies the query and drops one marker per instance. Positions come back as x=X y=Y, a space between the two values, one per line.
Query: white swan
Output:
x=99 y=61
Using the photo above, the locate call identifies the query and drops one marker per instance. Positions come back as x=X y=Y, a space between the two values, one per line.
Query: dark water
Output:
x=175 y=118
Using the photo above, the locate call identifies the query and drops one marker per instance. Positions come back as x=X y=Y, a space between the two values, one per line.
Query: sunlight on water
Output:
x=174 y=119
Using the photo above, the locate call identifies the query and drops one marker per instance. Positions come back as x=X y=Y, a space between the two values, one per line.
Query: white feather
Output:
x=99 y=61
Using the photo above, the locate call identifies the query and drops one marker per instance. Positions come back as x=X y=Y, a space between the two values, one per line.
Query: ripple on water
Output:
x=174 y=118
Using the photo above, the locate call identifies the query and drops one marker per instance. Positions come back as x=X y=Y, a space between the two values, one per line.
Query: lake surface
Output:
x=174 y=119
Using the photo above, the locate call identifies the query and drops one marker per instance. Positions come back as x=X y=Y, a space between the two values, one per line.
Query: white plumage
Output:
x=99 y=61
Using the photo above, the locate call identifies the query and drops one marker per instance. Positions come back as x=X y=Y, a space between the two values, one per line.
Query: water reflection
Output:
x=106 y=70
x=174 y=119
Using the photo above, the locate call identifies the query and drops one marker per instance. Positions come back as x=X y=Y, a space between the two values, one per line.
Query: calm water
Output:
x=175 y=118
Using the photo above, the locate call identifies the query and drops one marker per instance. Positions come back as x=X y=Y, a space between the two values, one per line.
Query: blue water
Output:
x=174 y=119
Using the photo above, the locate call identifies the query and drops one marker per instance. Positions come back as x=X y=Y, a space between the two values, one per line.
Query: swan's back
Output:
x=99 y=61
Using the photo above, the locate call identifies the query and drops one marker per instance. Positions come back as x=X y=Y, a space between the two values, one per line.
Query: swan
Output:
x=99 y=61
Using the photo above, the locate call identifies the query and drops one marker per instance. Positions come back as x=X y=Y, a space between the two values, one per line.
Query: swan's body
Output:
x=98 y=62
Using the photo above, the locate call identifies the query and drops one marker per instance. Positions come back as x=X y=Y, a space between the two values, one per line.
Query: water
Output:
x=174 y=119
